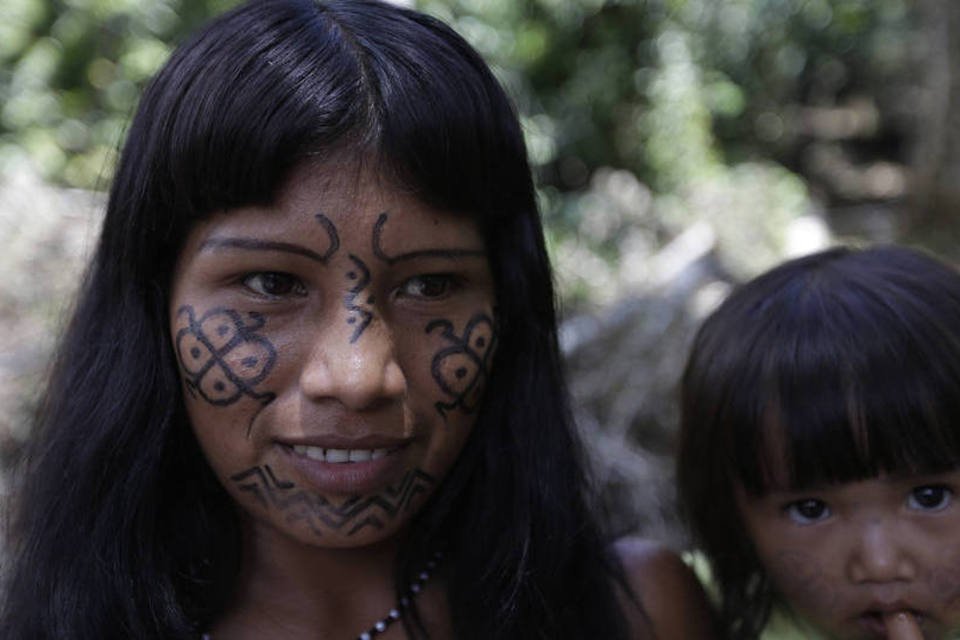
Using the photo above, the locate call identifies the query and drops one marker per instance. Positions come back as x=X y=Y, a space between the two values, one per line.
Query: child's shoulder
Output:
x=674 y=603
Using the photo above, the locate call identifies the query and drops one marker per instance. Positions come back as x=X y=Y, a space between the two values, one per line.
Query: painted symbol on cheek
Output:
x=360 y=316
x=222 y=355
x=322 y=516
x=461 y=369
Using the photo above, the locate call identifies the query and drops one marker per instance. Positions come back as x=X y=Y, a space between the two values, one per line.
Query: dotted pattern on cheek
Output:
x=222 y=356
x=461 y=369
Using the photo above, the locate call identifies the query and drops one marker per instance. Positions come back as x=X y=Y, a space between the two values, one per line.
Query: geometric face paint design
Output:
x=354 y=514
x=460 y=369
x=223 y=356
x=360 y=316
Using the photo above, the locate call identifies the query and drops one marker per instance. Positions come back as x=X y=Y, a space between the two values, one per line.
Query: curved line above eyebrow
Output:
x=331 y=230
x=421 y=253
x=264 y=245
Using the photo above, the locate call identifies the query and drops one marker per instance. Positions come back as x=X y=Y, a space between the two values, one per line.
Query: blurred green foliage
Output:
x=663 y=88
x=686 y=104
x=693 y=98
x=644 y=118
x=71 y=72
x=666 y=87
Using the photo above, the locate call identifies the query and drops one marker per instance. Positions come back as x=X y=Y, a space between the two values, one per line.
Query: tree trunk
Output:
x=934 y=219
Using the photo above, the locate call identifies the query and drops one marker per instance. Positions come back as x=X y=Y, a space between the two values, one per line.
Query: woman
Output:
x=312 y=386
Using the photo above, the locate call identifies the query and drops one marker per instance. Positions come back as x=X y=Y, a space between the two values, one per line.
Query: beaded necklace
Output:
x=405 y=600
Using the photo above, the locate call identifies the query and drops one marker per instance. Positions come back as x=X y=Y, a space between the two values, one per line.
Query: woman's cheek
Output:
x=224 y=356
x=461 y=360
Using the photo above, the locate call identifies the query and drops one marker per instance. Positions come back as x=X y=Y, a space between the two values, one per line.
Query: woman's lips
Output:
x=347 y=470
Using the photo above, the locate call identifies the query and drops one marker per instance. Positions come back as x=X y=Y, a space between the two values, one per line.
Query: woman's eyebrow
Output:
x=252 y=244
x=450 y=253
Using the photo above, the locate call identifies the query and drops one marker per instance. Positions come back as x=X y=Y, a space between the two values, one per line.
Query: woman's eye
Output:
x=427 y=286
x=808 y=511
x=932 y=497
x=273 y=284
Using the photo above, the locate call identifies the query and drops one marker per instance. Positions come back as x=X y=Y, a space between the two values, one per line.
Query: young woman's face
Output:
x=847 y=554
x=333 y=349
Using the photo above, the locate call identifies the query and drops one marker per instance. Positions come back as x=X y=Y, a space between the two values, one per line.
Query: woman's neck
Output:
x=289 y=590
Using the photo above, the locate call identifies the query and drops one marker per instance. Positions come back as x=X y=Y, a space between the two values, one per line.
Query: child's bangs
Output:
x=848 y=396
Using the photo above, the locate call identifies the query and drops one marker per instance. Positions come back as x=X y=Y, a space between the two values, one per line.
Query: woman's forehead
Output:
x=333 y=205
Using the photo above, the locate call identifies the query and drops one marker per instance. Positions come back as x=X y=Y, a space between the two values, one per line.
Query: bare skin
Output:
x=674 y=603
x=902 y=626
x=346 y=318
x=876 y=558
x=333 y=348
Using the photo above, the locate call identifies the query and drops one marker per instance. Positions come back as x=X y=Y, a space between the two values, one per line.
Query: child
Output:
x=820 y=446
x=311 y=388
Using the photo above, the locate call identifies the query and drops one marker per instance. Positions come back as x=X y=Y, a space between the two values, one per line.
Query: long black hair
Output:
x=830 y=368
x=120 y=528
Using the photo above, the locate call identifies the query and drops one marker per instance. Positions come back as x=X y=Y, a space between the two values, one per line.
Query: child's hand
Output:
x=902 y=626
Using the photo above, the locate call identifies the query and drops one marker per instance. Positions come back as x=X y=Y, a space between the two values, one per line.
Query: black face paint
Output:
x=331 y=230
x=222 y=355
x=223 y=358
x=360 y=314
x=461 y=369
x=322 y=516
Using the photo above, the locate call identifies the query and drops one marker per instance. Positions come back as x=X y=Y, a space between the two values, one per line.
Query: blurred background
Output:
x=680 y=146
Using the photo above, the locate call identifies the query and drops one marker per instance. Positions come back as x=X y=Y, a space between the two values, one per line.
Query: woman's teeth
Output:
x=339 y=455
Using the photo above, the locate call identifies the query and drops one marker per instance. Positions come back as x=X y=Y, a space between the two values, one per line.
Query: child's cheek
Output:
x=944 y=581
x=803 y=582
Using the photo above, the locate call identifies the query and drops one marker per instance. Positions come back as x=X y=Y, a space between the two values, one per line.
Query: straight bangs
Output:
x=856 y=375
x=275 y=83
x=226 y=120
x=446 y=127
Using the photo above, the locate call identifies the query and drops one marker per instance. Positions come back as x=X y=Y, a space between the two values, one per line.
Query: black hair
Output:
x=830 y=368
x=121 y=530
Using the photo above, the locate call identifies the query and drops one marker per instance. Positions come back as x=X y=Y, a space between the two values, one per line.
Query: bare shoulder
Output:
x=673 y=601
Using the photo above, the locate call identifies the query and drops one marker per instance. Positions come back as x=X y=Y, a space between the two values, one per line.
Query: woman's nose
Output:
x=880 y=555
x=357 y=369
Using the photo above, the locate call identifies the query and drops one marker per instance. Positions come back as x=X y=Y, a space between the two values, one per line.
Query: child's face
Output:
x=843 y=555
x=333 y=349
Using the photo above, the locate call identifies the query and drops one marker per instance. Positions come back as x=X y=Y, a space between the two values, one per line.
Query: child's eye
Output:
x=430 y=286
x=807 y=511
x=932 y=497
x=274 y=284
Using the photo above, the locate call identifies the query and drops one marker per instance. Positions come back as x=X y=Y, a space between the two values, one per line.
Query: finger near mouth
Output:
x=875 y=622
x=903 y=625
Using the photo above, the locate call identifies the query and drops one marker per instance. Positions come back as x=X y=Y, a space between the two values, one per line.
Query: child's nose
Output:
x=359 y=373
x=879 y=555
